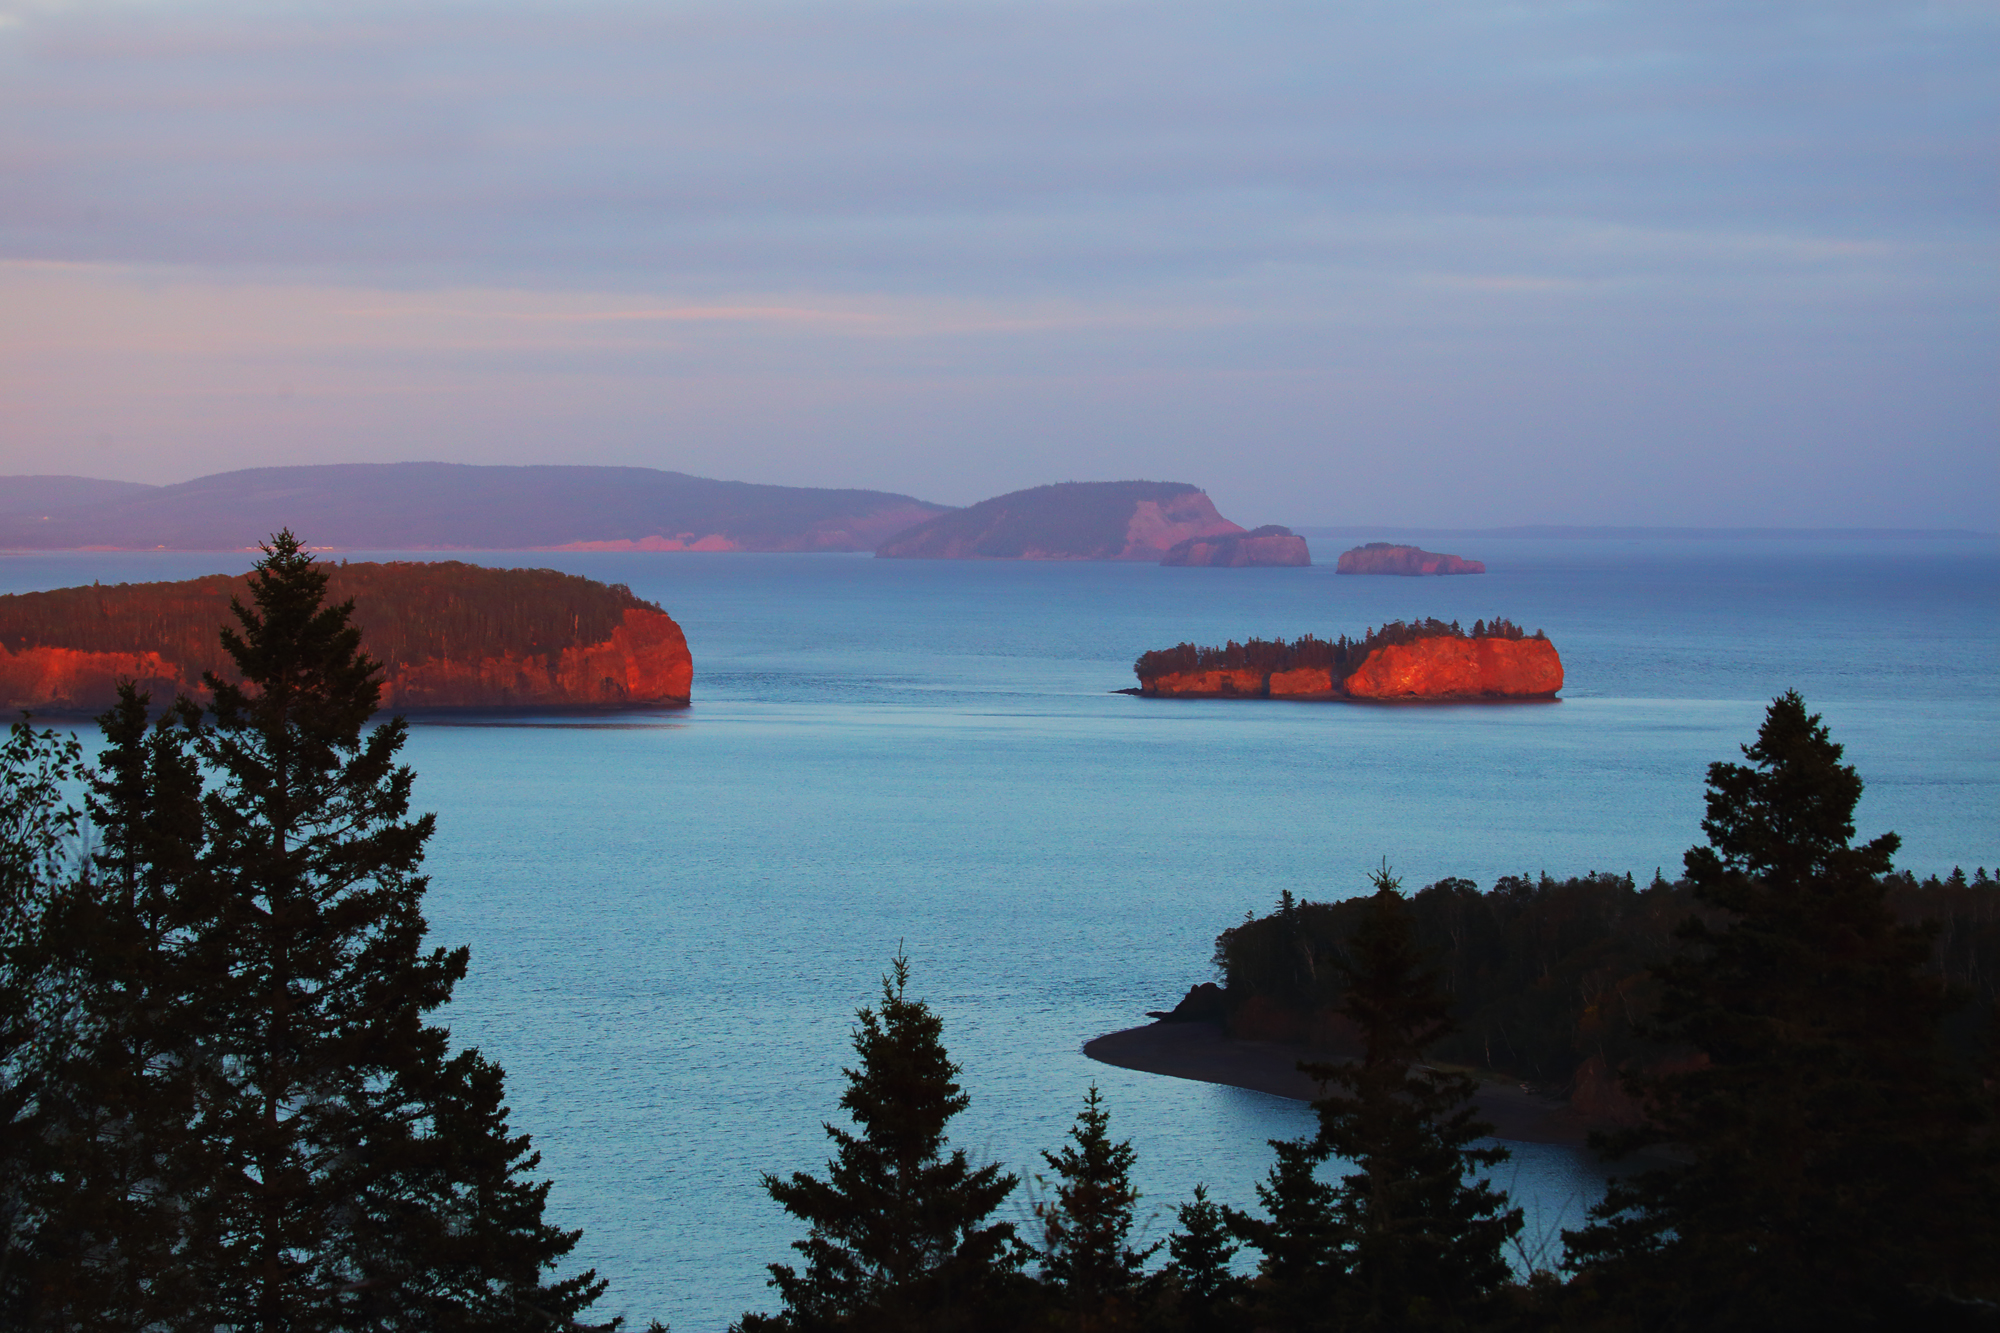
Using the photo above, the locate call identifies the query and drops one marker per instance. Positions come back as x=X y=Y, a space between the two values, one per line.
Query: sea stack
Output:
x=1389 y=558
x=448 y=635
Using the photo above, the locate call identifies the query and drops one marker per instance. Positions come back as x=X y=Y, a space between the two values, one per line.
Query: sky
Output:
x=1371 y=261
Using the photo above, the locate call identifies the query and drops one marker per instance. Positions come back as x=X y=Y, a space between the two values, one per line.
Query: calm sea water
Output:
x=673 y=917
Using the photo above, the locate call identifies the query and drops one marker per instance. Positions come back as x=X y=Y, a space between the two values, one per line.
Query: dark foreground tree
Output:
x=38 y=827
x=901 y=1234
x=364 y=1176
x=1410 y=1238
x=1087 y=1253
x=1198 y=1290
x=1840 y=1172
x=252 y=1126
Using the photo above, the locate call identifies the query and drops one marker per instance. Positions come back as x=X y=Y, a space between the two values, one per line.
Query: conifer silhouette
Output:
x=1087 y=1255
x=900 y=1233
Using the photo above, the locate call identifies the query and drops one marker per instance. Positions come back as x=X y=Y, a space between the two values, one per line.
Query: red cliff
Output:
x=448 y=635
x=1451 y=668
x=1389 y=558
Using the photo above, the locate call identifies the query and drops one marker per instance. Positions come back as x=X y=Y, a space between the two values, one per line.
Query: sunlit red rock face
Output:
x=1451 y=668
x=1239 y=683
x=1388 y=558
x=448 y=635
x=1266 y=546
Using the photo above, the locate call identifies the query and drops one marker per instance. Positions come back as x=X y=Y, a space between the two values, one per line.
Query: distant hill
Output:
x=36 y=496
x=455 y=506
x=1072 y=520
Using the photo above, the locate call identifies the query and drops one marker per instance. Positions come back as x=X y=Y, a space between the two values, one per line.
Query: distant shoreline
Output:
x=1203 y=1053
x=1349 y=531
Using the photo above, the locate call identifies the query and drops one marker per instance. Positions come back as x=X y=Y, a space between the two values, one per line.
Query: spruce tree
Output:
x=38 y=830
x=1198 y=1287
x=1087 y=1255
x=119 y=1165
x=1406 y=1240
x=900 y=1233
x=1839 y=1171
x=328 y=1163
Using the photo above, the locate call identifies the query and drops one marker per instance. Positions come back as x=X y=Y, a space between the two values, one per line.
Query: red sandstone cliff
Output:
x=1388 y=558
x=448 y=636
x=1451 y=668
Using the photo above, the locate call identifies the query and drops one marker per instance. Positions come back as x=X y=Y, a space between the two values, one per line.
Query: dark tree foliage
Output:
x=1297 y=1237
x=1198 y=1292
x=1343 y=656
x=38 y=828
x=1409 y=1241
x=1839 y=1173
x=1087 y=1254
x=119 y=1165
x=407 y=612
x=901 y=1236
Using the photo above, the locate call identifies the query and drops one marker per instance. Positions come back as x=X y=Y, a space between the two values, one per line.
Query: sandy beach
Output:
x=1201 y=1051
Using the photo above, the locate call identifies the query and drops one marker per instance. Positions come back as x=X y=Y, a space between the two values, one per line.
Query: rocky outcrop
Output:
x=1452 y=668
x=1075 y=520
x=448 y=636
x=1268 y=545
x=1227 y=683
x=1389 y=558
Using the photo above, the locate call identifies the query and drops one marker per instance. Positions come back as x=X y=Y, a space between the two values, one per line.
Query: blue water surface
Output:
x=674 y=915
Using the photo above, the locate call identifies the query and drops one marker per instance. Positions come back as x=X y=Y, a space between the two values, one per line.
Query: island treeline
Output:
x=1546 y=975
x=226 y=1105
x=1342 y=656
x=407 y=611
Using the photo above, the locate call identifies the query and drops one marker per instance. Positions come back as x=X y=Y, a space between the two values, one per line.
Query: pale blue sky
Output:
x=1455 y=263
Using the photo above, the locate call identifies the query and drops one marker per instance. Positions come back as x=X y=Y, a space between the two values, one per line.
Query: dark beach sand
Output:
x=1201 y=1052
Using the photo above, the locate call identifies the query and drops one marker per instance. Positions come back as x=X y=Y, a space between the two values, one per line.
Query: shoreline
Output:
x=1201 y=1052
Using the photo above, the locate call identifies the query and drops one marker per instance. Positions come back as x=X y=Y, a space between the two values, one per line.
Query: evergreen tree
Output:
x=1199 y=1285
x=119 y=1165
x=1406 y=1240
x=1839 y=1175
x=38 y=829
x=1087 y=1254
x=900 y=1236
x=1300 y=1265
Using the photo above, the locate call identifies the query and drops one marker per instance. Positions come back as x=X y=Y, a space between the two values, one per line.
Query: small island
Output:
x=1390 y=558
x=449 y=635
x=1426 y=659
x=1268 y=546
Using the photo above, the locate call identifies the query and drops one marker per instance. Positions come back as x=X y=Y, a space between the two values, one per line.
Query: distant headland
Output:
x=1389 y=558
x=1427 y=659
x=450 y=507
x=448 y=634
x=1268 y=545
x=1072 y=520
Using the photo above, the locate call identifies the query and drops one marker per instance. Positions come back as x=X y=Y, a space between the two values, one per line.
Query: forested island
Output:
x=448 y=634
x=1390 y=558
x=1421 y=659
